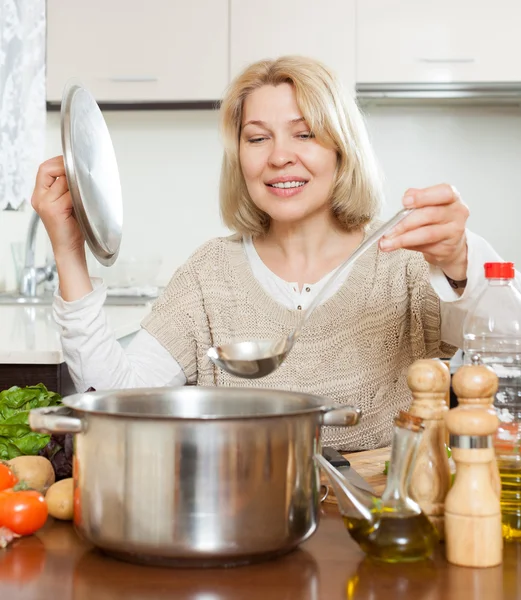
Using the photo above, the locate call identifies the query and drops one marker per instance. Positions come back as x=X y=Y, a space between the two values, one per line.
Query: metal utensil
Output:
x=92 y=172
x=342 y=465
x=258 y=358
x=193 y=475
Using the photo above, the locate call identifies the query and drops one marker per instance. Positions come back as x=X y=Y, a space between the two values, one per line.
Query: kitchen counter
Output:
x=29 y=335
x=30 y=347
x=57 y=564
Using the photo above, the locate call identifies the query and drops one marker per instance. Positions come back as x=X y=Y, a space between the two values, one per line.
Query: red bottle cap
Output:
x=499 y=270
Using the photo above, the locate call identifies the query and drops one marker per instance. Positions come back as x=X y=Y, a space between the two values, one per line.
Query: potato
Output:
x=36 y=471
x=60 y=499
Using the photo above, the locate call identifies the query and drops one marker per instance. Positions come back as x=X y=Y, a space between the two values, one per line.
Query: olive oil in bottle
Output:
x=510 y=500
x=394 y=538
x=392 y=528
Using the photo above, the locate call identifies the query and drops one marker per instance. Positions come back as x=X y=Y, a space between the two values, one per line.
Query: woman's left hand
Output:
x=436 y=229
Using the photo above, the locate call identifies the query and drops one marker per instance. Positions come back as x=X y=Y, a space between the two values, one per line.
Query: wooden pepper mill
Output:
x=429 y=382
x=487 y=403
x=472 y=510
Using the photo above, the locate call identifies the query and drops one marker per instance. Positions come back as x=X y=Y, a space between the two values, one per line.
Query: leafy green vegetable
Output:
x=386 y=467
x=8 y=450
x=16 y=437
x=32 y=443
x=60 y=451
x=34 y=396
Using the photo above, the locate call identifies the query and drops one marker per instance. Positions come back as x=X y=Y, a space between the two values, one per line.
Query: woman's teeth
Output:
x=288 y=184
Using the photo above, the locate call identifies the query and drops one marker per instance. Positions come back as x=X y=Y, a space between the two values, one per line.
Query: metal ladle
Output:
x=259 y=358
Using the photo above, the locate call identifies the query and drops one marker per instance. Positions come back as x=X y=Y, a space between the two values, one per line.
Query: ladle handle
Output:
x=365 y=245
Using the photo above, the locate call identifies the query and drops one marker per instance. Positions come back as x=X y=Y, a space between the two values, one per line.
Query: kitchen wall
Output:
x=169 y=166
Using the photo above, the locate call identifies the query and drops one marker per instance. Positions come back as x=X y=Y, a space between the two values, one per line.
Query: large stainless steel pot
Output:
x=195 y=475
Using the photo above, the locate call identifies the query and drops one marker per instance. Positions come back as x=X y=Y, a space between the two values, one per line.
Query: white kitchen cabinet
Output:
x=323 y=30
x=131 y=51
x=436 y=42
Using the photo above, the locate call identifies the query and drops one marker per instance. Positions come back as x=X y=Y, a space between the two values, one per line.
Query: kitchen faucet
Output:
x=31 y=275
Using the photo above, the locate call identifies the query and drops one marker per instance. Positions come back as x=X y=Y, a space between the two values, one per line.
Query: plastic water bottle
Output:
x=492 y=330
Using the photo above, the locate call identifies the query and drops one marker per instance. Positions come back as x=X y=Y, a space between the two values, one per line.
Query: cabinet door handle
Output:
x=136 y=79
x=447 y=60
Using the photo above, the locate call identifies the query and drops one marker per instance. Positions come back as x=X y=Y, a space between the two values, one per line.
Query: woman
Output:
x=300 y=188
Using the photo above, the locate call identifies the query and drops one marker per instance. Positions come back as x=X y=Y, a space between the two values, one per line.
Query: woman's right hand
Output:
x=52 y=201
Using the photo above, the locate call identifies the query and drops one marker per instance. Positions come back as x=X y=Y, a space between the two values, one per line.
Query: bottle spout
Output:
x=352 y=501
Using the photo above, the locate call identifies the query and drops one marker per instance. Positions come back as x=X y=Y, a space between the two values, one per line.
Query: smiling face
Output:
x=289 y=175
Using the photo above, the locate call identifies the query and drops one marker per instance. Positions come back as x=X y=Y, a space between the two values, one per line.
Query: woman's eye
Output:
x=306 y=136
x=256 y=140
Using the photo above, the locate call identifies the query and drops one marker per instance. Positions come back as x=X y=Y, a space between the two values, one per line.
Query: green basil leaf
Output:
x=8 y=450
x=14 y=431
x=20 y=417
x=32 y=442
x=16 y=437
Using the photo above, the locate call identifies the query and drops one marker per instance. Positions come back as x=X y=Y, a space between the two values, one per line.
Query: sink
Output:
x=14 y=298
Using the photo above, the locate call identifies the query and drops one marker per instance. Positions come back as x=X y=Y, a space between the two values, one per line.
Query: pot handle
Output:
x=341 y=416
x=54 y=419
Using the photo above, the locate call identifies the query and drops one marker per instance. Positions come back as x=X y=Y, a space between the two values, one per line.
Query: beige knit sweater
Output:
x=355 y=349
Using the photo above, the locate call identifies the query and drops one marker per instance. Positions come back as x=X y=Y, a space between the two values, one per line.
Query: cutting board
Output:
x=370 y=465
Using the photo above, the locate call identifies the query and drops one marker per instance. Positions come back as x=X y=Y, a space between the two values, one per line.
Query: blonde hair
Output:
x=335 y=122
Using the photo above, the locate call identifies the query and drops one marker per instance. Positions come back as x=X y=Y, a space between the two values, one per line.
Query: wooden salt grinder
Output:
x=488 y=404
x=429 y=382
x=472 y=510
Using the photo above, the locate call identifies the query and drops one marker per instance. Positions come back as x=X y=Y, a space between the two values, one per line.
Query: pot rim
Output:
x=85 y=403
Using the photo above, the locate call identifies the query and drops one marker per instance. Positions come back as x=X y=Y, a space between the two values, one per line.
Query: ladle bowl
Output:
x=257 y=358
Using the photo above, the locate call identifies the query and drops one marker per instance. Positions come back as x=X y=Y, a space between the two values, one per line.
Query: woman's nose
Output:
x=282 y=154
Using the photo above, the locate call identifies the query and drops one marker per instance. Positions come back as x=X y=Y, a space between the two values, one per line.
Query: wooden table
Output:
x=56 y=565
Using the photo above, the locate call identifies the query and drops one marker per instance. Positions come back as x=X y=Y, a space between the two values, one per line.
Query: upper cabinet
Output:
x=139 y=51
x=323 y=30
x=404 y=41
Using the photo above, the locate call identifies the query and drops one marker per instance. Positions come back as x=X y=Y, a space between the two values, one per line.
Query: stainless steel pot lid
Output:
x=92 y=172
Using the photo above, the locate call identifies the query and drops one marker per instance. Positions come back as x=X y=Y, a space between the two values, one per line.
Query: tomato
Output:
x=23 y=512
x=7 y=478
